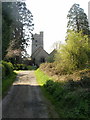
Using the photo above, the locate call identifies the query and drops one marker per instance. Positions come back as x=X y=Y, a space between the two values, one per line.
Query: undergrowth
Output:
x=7 y=82
x=71 y=98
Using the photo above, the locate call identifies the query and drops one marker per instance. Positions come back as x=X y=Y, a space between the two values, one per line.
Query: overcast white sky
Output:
x=50 y=16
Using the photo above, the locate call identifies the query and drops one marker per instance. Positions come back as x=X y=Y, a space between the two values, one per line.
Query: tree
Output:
x=21 y=19
x=51 y=57
x=6 y=27
x=56 y=45
x=77 y=20
x=75 y=53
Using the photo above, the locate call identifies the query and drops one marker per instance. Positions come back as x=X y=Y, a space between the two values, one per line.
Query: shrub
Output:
x=3 y=71
x=24 y=67
x=85 y=81
x=7 y=82
x=2 y=68
x=70 y=98
x=74 y=54
x=20 y=67
x=31 y=67
x=7 y=68
x=74 y=103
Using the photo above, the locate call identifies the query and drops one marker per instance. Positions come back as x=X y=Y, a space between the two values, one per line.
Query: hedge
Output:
x=7 y=68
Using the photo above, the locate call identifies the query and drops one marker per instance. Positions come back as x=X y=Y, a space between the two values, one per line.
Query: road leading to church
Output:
x=25 y=99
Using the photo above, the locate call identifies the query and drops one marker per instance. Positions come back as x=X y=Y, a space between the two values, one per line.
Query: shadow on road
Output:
x=24 y=101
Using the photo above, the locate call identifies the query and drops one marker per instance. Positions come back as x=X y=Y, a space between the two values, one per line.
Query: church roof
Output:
x=37 y=51
x=53 y=52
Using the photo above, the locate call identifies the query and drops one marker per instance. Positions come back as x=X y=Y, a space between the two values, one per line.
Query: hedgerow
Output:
x=7 y=68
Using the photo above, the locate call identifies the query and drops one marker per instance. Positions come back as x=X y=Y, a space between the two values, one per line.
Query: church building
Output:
x=39 y=55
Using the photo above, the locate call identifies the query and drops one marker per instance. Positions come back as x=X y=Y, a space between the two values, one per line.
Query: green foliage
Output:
x=41 y=77
x=20 y=67
x=16 y=18
x=31 y=67
x=8 y=76
x=74 y=54
x=51 y=57
x=24 y=67
x=6 y=29
x=7 y=82
x=70 y=98
x=77 y=20
x=7 y=68
x=2 y=68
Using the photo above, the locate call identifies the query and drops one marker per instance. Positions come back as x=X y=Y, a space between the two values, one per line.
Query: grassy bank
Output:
x=7 y=82
x=41 y=77
x=70 y=98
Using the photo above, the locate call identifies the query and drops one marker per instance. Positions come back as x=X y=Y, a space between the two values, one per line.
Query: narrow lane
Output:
x=25 y=99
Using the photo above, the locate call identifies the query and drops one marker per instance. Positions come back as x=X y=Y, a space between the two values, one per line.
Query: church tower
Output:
x=37 y=41
x=39 y=55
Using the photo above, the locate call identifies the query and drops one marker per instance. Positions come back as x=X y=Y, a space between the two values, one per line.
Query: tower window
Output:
x=36 y=45
x=32 y=38
x=36 y=41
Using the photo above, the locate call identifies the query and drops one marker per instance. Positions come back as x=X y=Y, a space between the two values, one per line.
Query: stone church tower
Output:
x=39 y=55
x=37 y=41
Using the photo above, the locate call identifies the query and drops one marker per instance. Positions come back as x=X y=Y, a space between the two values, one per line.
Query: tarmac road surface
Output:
x=25 y=99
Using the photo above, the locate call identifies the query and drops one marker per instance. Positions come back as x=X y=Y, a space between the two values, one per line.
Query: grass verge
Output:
x=70 y=99
x=41 y=77
x=7 y=82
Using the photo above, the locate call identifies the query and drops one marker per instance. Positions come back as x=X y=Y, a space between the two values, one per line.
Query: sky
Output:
x=50 y=16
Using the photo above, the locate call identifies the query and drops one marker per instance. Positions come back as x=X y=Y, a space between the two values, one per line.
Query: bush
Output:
x=70 y=98
x=72 y=103
x=31 y=67
x=20 y=67
x=24 y=67
x=3 y=71
x=74 y=55
x=55 y=88
x=7 y=68
x=8 y=76
x=7 y=82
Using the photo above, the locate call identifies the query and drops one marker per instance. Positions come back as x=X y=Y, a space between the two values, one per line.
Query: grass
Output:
x=69 y=98
x=7 y=82
x=41 y=77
